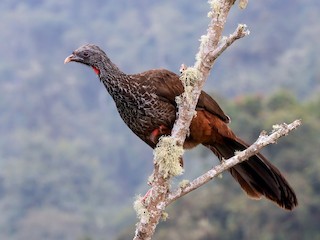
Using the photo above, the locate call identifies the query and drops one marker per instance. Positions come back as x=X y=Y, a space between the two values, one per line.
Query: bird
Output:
x=146 y=102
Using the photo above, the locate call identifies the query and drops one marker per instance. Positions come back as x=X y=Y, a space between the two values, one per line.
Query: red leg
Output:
x=158 y=132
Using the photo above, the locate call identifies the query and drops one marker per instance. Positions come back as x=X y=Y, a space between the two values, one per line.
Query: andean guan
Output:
x=146 y=103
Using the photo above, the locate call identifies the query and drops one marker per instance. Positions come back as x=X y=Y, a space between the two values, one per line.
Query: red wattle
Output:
x=96 y=70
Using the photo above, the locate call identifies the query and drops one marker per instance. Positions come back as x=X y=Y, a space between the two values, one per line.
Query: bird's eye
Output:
x=85 y=54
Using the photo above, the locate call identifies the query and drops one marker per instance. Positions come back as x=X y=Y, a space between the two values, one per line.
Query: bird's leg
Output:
x=158 y=132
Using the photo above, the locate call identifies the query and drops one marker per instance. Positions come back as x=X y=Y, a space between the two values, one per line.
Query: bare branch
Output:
x=262 y=141
x=240 y=32
x=154 y=206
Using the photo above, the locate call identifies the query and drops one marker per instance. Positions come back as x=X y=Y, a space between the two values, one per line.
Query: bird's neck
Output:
x=112 y=77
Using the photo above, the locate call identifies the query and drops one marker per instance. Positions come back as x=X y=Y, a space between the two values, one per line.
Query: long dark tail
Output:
x=257 y=176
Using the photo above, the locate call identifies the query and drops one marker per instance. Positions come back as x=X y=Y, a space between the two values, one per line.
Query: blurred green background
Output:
x=69 y=167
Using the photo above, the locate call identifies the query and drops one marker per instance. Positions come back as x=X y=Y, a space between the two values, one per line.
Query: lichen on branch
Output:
x=168 y=156
x=141 y=211
x=189 y=77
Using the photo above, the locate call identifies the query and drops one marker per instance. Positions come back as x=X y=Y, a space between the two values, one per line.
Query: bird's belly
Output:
x=144 y=119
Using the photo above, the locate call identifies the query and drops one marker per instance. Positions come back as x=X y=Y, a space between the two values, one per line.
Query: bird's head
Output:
x=90 y=55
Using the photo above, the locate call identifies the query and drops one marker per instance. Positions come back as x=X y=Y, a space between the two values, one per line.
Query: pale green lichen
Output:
x=237 y=152
x=243 y=4
x=178 y=100
x=141 y=210
x=275 y=127
x=204 y=40
x=188 y=89
x=189 y=77
x=215 y=5
x=168 y=156
x=164 y=216
x=184 y=183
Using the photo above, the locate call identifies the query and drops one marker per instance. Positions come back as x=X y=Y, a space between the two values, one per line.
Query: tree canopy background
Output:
x=69 y=167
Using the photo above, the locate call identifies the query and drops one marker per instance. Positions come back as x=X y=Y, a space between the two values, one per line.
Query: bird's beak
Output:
x=72 y=58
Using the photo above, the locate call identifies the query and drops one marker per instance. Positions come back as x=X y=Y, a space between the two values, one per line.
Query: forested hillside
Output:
x=69 y=167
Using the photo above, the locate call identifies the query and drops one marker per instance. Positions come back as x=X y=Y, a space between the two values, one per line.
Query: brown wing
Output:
x=168 y=86
x=208 y=103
